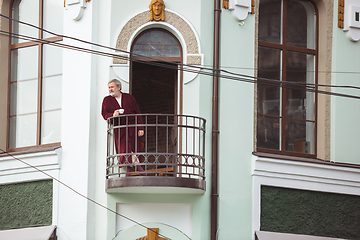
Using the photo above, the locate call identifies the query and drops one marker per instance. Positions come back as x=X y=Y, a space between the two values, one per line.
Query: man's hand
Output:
x=116 y=113
x=141 y=133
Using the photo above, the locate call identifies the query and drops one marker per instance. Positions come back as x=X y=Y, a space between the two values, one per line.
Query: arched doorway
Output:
x=156 y=86
x=154 y=83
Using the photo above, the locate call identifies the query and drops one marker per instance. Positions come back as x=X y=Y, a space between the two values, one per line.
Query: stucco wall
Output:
x=236 y=127
x=345 y=127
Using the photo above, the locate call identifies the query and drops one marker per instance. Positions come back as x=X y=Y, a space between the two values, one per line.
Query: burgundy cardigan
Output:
x=128 y=103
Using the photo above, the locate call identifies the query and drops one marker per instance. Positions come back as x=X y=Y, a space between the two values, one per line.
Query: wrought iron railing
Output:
x=171 y=146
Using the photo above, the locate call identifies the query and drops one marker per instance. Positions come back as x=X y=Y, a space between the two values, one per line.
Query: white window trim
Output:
x=300 y=175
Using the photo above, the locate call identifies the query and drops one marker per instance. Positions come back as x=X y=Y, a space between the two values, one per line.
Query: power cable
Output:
x=269 y=69
x=172 y=65
x=178 y=66
x=181 y=64
x=87 y=198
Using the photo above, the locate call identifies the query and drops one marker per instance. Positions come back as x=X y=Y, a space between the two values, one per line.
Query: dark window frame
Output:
x=284 y=48
x=154 y=59
x=40 y=43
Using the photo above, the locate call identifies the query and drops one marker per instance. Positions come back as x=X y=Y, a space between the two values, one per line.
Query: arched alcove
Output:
x=174 y=23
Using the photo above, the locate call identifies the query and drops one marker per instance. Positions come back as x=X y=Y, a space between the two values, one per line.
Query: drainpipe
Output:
x=215 y=122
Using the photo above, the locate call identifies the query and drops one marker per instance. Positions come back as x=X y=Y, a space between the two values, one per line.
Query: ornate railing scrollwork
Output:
x=172 y=146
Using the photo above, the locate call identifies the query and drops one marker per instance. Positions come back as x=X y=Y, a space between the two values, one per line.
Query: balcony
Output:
x=168 y=158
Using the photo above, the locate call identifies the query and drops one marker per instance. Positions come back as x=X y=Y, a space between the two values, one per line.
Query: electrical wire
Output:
x=78 y=193
x=269 y=69
x=180 y=64
x=151 y=58
x=189 y=68
x=168 y=64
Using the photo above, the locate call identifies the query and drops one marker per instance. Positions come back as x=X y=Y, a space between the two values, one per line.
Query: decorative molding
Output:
x=300 y=175
x=341 y=14
x=173 y=23
x=225 y=4
x=240 y=8
x=157 y=10
x=152 y=234
x=351 y=26
x=14 y=171
x=122 y=59
x=307 y=175
x=76 y=8
x=193 y=59
x=179 y=228
x=196 y=60
x=141 y=22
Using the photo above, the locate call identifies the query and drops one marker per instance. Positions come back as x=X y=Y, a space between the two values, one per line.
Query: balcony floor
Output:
x=155 y=185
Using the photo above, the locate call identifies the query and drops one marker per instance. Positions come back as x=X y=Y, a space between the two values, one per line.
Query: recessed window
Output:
x=286 y=106
x=36 y=75
x=357 y=16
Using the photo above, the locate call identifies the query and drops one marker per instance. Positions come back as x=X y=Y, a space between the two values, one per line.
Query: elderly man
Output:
x=126 y=139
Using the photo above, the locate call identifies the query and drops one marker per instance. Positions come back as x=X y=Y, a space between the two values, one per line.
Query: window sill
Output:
x=29 y=165
x=303 y=159
x=33 y=149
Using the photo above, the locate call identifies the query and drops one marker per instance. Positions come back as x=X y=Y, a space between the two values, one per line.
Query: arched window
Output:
x=287 y=52
x=163 y=80
x=36 y=74
x=157 y=43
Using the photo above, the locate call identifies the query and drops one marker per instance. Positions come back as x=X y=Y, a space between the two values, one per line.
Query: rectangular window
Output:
x=36 y=74
x=286 y=91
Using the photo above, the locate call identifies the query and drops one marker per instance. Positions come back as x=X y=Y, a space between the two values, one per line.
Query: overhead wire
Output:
x=311 y=71
x=188 y=68
x=78 y=193
x=201 y=68
x=172 y=65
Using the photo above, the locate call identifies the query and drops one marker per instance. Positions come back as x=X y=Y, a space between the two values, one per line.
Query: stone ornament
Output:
x=341 y=14
x=152 y=234
x=157 y=10
x=349 y=18
x=240 y=8
x=75 y=8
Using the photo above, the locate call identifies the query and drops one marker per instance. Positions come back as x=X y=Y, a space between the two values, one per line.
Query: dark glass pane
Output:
x=171 y=51
x=300 y=104
x=268 y=90
x=300 y=24
x=169 y=39
x=296 y=67
x=157 y=37
x=268 y=132
x=300 y=136
x=270 y=21
x=141 y=49
x=143 y=39
x=300 y=100
x=156 y=50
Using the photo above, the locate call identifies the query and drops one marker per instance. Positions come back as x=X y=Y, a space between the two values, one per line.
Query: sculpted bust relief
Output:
x=157 y=10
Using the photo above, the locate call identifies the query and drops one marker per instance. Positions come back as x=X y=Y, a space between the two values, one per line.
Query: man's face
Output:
x=114 y=91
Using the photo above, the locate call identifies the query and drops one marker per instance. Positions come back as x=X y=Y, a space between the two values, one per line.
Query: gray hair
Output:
x=117 y=82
